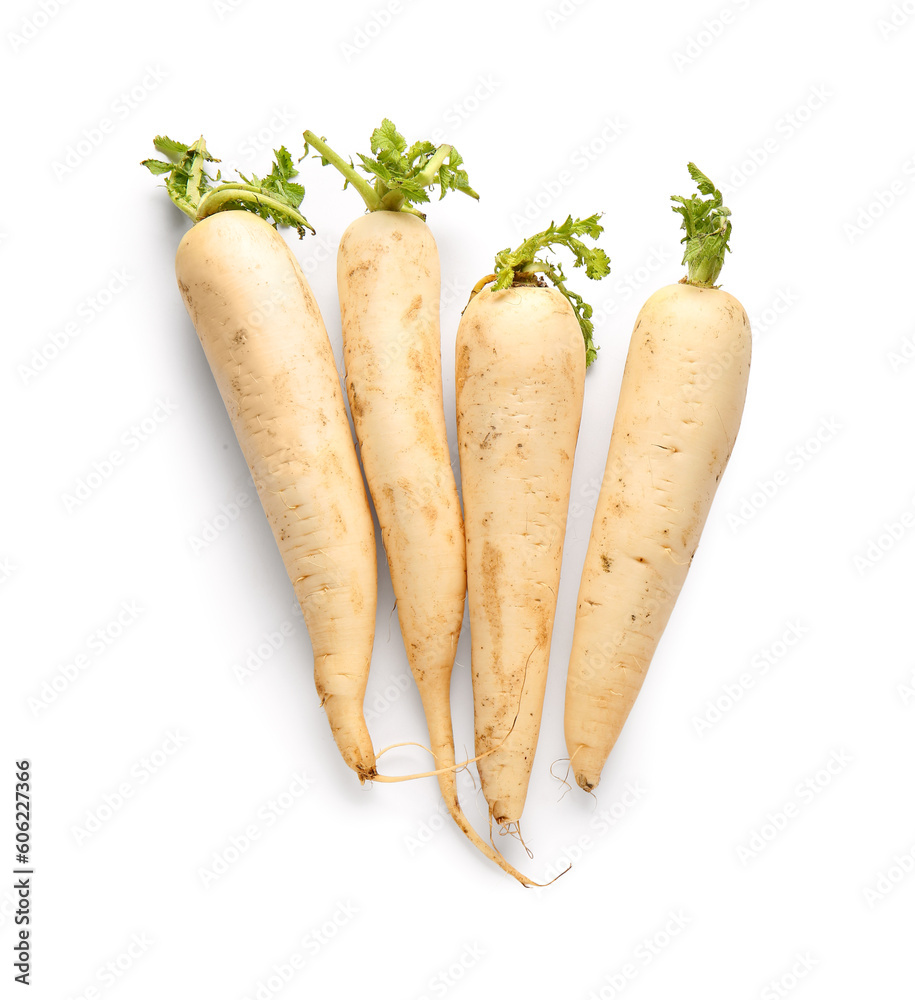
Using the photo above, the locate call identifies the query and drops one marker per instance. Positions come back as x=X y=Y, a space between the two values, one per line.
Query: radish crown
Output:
x=399 y=173
x=707 y=225
x=524 y=267
x=274 y=198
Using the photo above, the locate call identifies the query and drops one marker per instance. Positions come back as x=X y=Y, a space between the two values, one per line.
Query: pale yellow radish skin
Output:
x=679 y=411
x=388 y=280
x=520 y=368
x=268 y=349
x=389 y=284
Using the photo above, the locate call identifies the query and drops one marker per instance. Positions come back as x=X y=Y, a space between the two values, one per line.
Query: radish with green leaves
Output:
x=389 y=286
x=267 y=347
x=679 y=411
x=520 y=358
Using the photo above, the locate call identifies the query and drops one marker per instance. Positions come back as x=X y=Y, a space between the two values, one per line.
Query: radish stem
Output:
x=398 y=174
x=523 y=265
x=275 y=198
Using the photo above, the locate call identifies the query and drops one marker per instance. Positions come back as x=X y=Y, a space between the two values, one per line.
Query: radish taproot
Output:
x=520 y=358
x=679 y=410
x=389 y=287
x=268 y=349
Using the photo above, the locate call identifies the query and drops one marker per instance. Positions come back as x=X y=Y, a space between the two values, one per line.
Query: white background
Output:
x=715 y=859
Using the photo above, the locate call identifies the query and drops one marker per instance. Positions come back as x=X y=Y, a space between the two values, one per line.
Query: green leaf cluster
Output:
x=279 y=181
x=397 y=175
x=522 y=265
x=187 y=181
x=275 y=198
x=707 y=225
x=410 y=170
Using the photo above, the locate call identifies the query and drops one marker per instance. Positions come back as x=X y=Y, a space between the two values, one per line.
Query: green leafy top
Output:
x=275 y=197
x=524 y=266
x=399 y=174
x=707 y=225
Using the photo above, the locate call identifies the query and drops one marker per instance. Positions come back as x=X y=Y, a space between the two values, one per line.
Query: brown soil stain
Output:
x=493 y=573
x=462 y=364
x=415 y=306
